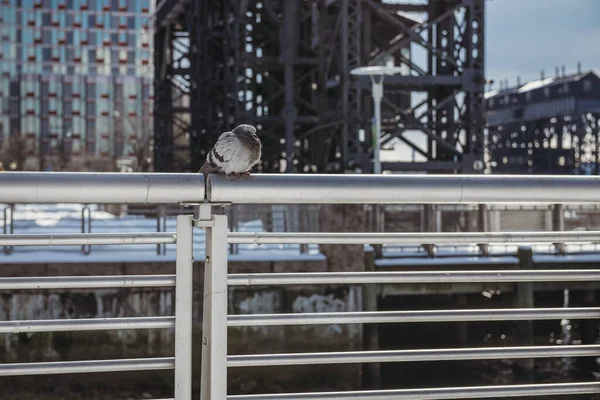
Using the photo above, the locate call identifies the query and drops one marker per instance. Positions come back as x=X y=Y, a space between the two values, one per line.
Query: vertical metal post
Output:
x=558 y=224
x=232 y=222
x=429 y=226
x=524 y=298
x=183 y=308
x=213 y=385
x=86 y=227
x=377 y=87
x=9 y=225
x=161 y=226
x=371 y=372
x=483 y=225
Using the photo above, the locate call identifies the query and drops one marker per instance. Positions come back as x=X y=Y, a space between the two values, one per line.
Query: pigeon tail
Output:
x=207 y=168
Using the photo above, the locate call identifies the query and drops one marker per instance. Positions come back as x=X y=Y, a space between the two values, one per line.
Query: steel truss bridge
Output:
x=284 y=66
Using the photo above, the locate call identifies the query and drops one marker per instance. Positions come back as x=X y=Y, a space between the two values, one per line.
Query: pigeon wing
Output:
x=222 y=153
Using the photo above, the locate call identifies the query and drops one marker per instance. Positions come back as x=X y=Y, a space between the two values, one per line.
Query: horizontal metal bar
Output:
x=503 y=314
x=411 y=238
x=473 y=392
x=86 y=324
x=69 y=239
x=344 y=357
x=396 y=189
x=103 y=188
x=88 y=366
x=357 y=278
x=86 y=282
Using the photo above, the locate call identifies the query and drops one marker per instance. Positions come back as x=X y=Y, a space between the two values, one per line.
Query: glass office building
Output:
x=77 y=72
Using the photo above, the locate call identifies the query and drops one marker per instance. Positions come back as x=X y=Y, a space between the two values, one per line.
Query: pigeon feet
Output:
x=236 y=175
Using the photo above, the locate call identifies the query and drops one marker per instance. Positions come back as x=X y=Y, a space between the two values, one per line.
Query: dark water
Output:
x=487 y=334
x=159 y=384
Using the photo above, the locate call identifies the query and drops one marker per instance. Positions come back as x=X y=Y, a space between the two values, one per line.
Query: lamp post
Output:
x=374 y=72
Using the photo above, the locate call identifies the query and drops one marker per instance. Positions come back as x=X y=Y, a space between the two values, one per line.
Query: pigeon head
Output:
x=245 y=130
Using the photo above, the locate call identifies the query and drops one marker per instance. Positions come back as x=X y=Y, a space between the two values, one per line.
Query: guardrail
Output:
x=182 y=322
x=311 y=189
x=299 y=189
x=466 y=218
x=108 y=188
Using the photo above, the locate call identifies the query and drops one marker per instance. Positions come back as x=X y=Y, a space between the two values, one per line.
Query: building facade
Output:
x=546 y=126
x=75 y=78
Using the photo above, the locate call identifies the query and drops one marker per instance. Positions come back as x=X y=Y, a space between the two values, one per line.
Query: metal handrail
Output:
x=417 y=238
x=473 y=392
x=182 y=322
x=86 y=324
x=88 y=366
x=364 y=317
x=296 y=189
x=400 y=189
x=476 y=353
x=87 y=282
x=105 y=188
x=69 y=239
x=449 y=276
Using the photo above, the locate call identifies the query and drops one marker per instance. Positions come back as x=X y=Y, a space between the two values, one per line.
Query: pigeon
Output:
x=235 y=152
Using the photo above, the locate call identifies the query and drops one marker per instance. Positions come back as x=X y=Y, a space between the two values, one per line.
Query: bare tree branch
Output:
x=16 y=151
x=142 y=147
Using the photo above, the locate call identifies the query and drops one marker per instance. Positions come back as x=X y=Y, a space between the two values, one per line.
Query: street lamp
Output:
x=377 y=93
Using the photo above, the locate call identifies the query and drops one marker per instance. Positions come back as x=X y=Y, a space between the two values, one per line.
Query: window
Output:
x=45 y=89
x=91 y=90
x=45 y=127
x=587 y=86
x=46 y=20
x=67 y=90
x=91 y=109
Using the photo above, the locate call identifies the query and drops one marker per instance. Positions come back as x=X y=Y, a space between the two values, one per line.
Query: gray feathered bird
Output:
x=235 y=152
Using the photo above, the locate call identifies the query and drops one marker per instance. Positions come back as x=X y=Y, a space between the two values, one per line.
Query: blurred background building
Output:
x=546 y=126
x=75 y=83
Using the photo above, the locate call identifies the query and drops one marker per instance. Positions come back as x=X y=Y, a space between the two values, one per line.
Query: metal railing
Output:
x=298 y=189
x=310 y=189
x=135 y=188
x=181 y=322
x=467 y=218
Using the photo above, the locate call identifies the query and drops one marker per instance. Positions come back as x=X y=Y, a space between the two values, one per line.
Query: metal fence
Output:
x=85 y=218
x=29 y=219
x=301 y=189
x=135 y=188
x=375 y=190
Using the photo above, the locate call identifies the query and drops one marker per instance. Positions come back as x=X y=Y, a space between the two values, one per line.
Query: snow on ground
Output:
x=66 y=218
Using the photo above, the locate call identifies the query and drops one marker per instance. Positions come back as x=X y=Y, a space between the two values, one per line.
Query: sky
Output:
x=525 y=36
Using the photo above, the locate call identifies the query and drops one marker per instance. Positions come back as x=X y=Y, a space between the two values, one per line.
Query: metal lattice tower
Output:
x=284 y=66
